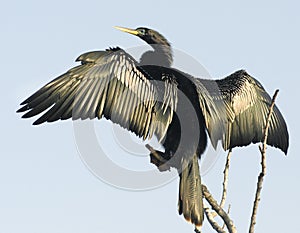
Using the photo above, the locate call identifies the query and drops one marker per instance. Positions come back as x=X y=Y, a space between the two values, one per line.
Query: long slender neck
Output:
x=161 y=56
x=165 y=51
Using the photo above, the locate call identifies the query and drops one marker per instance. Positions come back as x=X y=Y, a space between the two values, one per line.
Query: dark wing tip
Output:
x=24 y=102
x=22 y=109
x=38 y=121
x=25 y=116
x=285 y=147
x=278 y=135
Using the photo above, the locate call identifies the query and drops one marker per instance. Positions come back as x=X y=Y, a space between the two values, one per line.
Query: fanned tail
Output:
x=190 y=202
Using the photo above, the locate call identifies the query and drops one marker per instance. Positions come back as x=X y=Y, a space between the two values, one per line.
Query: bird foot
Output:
x=159 y=159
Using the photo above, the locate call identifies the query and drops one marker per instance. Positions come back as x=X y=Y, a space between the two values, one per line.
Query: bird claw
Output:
x=159 y=159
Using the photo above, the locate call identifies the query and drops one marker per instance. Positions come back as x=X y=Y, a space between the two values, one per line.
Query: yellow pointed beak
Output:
x=128 y=30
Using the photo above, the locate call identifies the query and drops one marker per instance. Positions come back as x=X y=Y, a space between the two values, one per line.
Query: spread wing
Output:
x=110 y=84
x=247 y=106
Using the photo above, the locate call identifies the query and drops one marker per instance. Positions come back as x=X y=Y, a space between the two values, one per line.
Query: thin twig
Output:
x=228 y=211
x=225 y=180
x=211 y=219
x=229 y=223
x=262 y=148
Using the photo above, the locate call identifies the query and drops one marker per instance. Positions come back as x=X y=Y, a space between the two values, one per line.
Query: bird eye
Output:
x=142 y=31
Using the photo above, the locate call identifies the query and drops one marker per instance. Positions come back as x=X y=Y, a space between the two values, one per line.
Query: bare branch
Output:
x=228 y=211
x=229 y=224
x=262 y=149
x=211 y=219
x=225 y=180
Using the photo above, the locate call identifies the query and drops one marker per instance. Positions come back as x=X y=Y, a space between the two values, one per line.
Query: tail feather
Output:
x=190 y=202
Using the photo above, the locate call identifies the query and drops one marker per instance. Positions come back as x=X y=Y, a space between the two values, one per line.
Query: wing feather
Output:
x=213 y=109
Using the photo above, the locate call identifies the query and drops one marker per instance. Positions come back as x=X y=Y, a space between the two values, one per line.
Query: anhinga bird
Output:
x=151 y=98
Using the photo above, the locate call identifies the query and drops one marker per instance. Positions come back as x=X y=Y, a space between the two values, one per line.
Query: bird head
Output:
x=162 y=54
x=150 y=36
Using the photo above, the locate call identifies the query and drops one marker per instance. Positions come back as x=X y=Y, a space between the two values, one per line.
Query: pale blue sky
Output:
x=45 y=187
